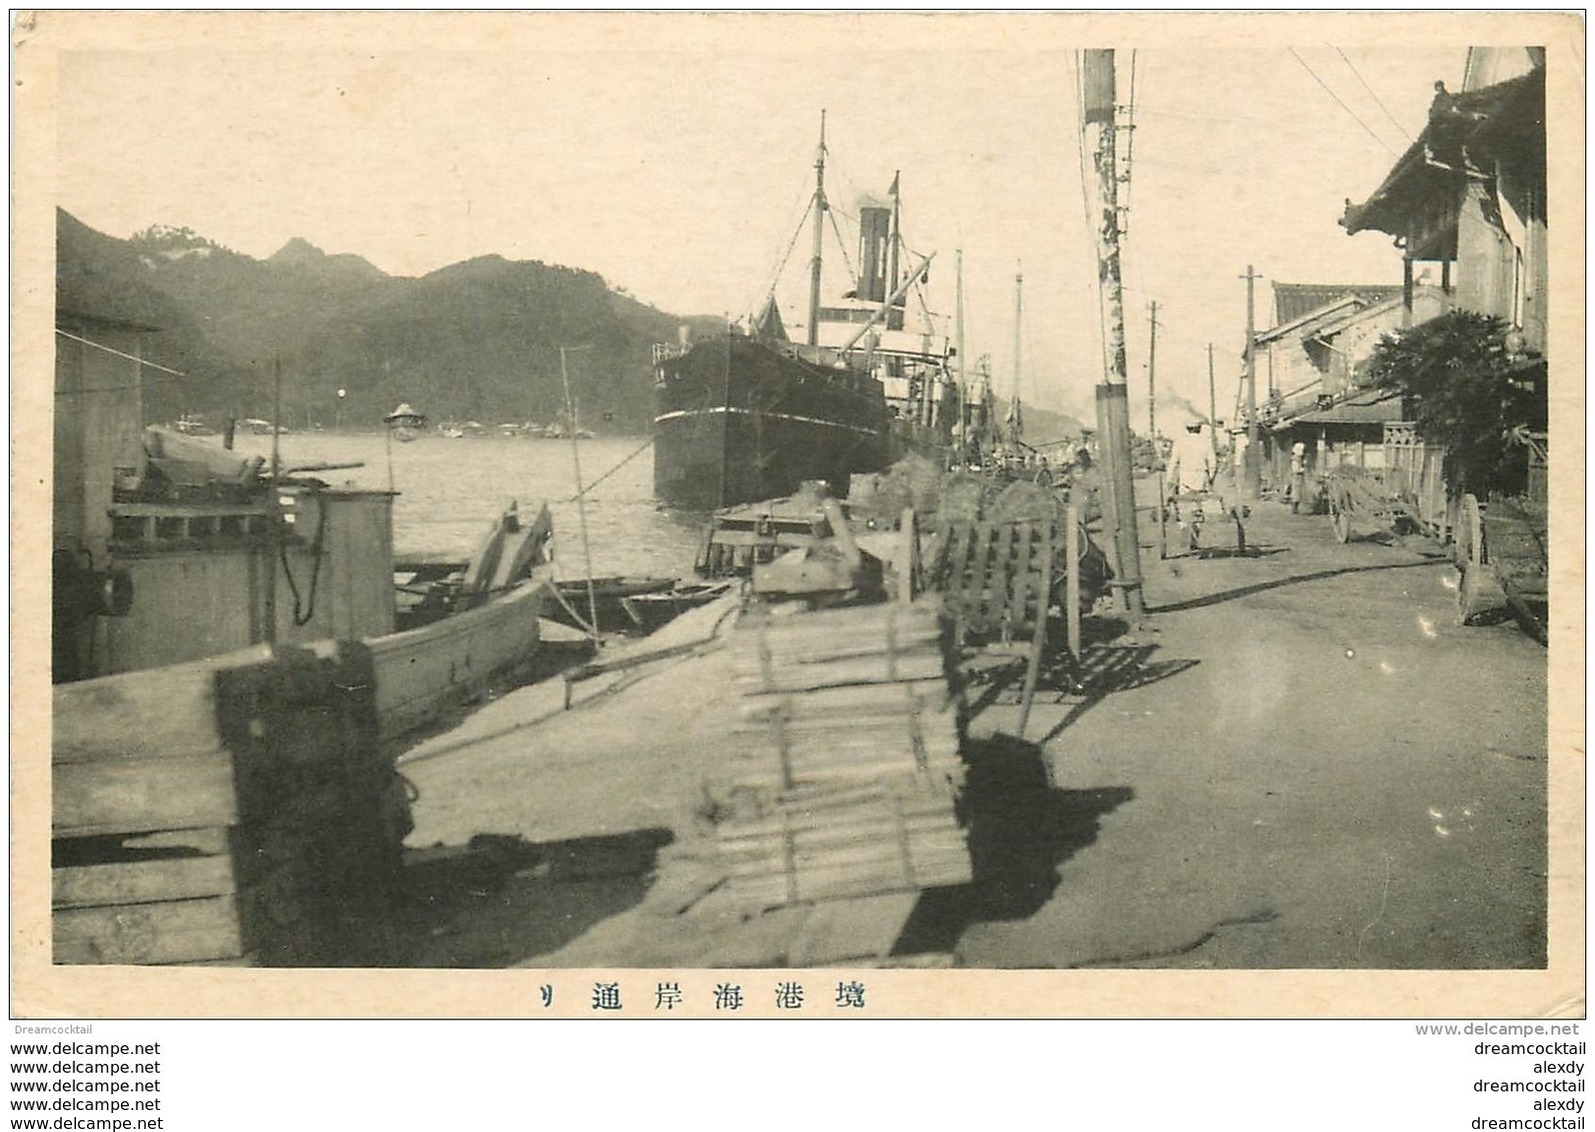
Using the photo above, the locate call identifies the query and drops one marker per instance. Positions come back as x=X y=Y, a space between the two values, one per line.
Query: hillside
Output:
x=476 y=340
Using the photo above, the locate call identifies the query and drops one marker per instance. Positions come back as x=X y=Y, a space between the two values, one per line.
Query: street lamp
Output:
x=404 y=424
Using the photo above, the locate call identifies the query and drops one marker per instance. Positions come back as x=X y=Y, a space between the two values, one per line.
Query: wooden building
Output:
x=167 y=549
x=1314 y=360
x=1469 y=194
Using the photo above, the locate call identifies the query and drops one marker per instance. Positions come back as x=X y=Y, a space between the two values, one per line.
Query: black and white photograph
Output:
x=798 y=515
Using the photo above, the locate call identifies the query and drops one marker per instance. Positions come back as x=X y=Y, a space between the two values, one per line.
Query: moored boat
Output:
x=233 y=680
x=750 y=416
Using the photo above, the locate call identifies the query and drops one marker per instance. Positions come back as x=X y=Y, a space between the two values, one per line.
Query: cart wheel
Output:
x=1480 y=598
x=1340 y=520
x=910 y=569
x=1470 y=534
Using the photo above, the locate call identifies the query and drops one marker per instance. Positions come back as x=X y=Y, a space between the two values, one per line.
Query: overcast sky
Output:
x=678 y=168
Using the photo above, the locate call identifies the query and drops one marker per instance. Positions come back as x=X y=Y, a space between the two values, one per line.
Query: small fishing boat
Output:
x=234 y=673
x=739 y=538
x=654 y=610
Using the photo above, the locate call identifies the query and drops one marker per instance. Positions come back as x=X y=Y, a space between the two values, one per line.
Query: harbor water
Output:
x=451 y=490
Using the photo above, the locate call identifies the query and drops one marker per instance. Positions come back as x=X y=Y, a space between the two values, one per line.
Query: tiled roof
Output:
x=1292 y=300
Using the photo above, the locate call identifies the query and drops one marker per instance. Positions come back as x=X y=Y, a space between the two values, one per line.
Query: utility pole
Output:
x=1151 y=381
x=1015 y=412
x=1252 y=471
x=1113 y=416
x=963 y=373
x=1212 y=401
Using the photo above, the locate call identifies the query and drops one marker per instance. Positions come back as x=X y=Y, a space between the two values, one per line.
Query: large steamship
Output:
x=751 y=415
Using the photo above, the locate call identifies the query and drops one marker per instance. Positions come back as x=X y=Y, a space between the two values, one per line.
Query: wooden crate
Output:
x=253 y=821
x=830 y=844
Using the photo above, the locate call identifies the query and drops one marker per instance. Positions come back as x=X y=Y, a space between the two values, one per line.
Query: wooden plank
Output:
x=141 y=882
x=1023 y=572
x=1071 y=591
x=422 y=672
x=204 y=842
x=141 y=795
x=175 y=932
x=167 y=712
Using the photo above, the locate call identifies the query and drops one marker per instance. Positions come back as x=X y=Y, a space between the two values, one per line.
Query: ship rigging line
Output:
x=120 y=354
x=841 y=243
x=787 y=255
x=638 y=452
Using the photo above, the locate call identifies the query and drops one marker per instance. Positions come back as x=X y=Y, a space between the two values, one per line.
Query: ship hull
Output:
x=739 y=420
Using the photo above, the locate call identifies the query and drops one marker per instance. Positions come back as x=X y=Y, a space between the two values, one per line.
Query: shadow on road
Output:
x=1102 y=670
x=1021 y=829
x=499 y=900
x=1260 y=587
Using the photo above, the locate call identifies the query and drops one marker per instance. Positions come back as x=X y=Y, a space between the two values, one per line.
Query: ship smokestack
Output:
x=874 y=247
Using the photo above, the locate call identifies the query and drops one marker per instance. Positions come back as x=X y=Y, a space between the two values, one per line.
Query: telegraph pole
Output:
x=963 y=374
x=1151 y=381
x=1252 y=472
x=1113 y=415
x=1212 y=401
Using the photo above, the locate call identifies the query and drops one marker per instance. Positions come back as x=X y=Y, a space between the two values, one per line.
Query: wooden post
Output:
x=581 y=493
x=1071 y=585
x=1406 y=292
x=1100 y=96
x=1212 y=405
x=1151 y=381
x=963 y=373
x=1251 y=486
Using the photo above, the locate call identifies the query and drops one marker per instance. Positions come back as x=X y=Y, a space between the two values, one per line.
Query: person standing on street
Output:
x=1298 y=475
x=1191 y=463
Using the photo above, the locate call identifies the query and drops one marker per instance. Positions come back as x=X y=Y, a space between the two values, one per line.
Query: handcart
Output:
x=1360 y=503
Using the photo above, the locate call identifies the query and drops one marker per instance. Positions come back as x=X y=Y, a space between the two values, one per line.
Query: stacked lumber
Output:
x=234 y=810
x=847 y=774
x=837 y=648
x=851 y=733
x=832 y=842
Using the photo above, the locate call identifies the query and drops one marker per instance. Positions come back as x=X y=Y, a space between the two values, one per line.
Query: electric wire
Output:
x=1377 y=101
x=1383 y=144
x=120 y=354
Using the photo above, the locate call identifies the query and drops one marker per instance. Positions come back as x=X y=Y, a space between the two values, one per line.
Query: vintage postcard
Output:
x=844 y=515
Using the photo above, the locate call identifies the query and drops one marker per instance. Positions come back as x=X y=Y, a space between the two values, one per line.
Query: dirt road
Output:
x=1308 y=763
x=1299 y=759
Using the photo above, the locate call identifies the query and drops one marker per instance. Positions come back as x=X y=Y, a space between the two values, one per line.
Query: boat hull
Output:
x=244 y=808
x=739 y=420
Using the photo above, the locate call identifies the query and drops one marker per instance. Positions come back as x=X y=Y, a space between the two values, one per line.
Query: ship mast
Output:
x=958 y=352
x=819 y=232
x=1015 y=413
x=896 y=240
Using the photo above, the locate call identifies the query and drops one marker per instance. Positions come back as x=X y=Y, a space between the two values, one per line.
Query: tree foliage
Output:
x=1467 y=392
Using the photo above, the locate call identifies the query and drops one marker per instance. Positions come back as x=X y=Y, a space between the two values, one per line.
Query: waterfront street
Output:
x=1299 y=760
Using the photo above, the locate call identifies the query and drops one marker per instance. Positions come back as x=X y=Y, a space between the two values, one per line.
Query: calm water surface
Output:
x=450 y=492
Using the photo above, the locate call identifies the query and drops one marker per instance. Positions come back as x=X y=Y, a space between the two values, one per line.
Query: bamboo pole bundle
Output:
x=825 y=672
x=891 y=834
x=849 y=701
x=767 y=646
x=849 y=765
x=825 y=620
x=852 y=821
